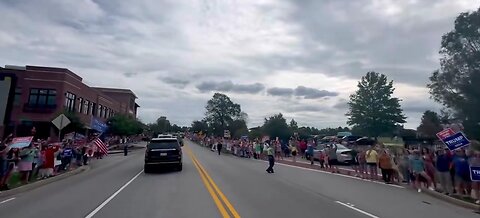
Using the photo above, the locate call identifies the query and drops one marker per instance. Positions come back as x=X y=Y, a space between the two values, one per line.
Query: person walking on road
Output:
x=418 y=169
x=219 y=147
x=125 y=150
x=371 y=157
x=271 y=159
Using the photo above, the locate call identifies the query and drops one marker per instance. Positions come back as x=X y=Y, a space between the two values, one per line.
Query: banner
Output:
x=475 y=173
x=99 y=125
x=21 y=142
x=445 y=133
x=456 y=141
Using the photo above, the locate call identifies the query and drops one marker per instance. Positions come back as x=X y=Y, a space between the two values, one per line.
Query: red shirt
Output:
x=49 y=155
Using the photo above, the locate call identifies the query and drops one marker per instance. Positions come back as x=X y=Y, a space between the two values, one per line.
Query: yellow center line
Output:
x=212 y=183
x=217 y=201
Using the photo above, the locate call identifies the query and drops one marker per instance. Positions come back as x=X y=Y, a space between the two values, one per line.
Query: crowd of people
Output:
x=433 y=167
x=42 y=159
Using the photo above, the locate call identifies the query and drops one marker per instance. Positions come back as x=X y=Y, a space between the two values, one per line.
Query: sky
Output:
x=302 y=58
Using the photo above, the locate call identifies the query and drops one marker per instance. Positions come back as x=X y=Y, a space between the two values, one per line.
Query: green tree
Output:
x=456 y=83
x=276 y=126
x=293 y=125
x=238 y=128
x=255 y=133
x=430 y=125
x=76 y=124
x=199 y=125
x=124 y=126
x=372 y=107
x=221 y=111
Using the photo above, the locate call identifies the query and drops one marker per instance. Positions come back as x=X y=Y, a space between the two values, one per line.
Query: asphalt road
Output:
x=117 y=187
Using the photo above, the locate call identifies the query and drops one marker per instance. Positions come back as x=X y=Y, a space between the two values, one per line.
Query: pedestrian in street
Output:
x=443 y=163
x=271 y=159
x=219 y=147
x=385 y=164
x=371 y=157
x=125 y=150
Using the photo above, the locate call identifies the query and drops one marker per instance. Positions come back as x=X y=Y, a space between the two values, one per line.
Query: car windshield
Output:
x=163 y=144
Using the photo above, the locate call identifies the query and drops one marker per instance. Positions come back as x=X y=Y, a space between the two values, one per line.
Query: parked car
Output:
x=343 y=153
x=351 y=138
x=365 y=141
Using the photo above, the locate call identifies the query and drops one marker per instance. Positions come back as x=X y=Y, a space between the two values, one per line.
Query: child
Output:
x=326 y=158
x=321 y=158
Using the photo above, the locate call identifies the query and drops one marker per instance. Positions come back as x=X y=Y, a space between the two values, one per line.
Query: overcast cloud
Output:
x=301 y=58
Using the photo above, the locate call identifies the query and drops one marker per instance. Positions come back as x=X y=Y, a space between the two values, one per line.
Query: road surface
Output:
x=219 y=186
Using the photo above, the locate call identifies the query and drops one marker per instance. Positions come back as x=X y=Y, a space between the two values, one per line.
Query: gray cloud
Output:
x=175 y=81
x=311 y=93
x=301 y=91
x=280 y=91
x=229 y=86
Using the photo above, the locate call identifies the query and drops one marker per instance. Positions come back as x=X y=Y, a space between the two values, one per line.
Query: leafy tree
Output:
x=372 y=108
x=220 y=112
x=456 y=83
x=238 y=128
x=199 y=125
x=293 y=125
x=124 y=126
x=255 y=133
x=276 y=126
x=430 y=125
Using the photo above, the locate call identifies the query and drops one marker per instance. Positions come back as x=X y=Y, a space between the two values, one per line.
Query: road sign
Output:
x=61 y=121
x=456 y=141
x=475 y=173
x=226 y=134
x=445 y=133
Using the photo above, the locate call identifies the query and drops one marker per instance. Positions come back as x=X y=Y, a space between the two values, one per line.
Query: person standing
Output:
x=418 y=169
x=294 y=152
x=362 y=163
x=474 y=160
x=271 y=159
x=371 y=157
x=85 y=155
x=125 y=150
x=4 y=148
x=462 y=172
x=333 y=159
x=354 y=163
x=309 y=151
x=403 y=162
x=219 y=147
x=258 y=150
x=25 y=164
x=385 y=164
x=443 y=171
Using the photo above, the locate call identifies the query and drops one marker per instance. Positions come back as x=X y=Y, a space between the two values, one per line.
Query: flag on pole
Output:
x=102 y=146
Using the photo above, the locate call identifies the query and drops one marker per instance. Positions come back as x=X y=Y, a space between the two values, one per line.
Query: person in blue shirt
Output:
x=310 y=151
x=443 y=162
x=462 y=171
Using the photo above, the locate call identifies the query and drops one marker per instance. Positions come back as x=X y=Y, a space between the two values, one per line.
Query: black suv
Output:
x=163 y=151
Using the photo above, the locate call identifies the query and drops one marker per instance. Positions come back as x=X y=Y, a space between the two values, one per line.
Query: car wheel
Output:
x=179 y=167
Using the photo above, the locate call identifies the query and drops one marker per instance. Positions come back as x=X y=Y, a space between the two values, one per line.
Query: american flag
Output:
x=102 y=146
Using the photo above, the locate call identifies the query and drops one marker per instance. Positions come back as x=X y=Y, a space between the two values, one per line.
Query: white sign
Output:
x=226 y=134
x=61 y=121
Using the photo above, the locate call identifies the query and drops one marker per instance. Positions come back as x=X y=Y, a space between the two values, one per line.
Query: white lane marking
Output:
x=91 y=214
x=5 y=201
x=356 y=209
x=336 y=174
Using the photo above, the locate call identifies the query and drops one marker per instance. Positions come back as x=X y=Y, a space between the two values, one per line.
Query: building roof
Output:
x=116 y=90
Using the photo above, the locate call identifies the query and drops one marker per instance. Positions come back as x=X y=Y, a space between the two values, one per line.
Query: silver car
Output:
x=343 y=153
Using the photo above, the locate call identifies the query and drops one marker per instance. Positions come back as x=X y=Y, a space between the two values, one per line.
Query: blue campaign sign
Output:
x=99 y=125
x=475 y=173
x=456 y=141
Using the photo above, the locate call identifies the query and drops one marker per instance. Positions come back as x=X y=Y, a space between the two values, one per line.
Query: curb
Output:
x=451 y=200
x=41 y=183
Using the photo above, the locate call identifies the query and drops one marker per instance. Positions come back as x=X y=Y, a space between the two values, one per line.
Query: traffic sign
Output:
x=61 y=121
x=456 y=141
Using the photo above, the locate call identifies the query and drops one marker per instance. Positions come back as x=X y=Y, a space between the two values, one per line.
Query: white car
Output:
x=343 y=153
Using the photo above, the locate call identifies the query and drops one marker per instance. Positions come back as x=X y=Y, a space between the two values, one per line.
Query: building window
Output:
x=86 y=104
x=80 y=105
x=18 y=96
x=92 y=108
x=42 y=97
x=70 y=101
x=100 y=110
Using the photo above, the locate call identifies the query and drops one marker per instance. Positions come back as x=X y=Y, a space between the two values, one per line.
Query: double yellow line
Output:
x=218 y=197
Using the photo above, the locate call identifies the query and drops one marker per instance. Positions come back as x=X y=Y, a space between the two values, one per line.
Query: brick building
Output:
x=32 y=96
